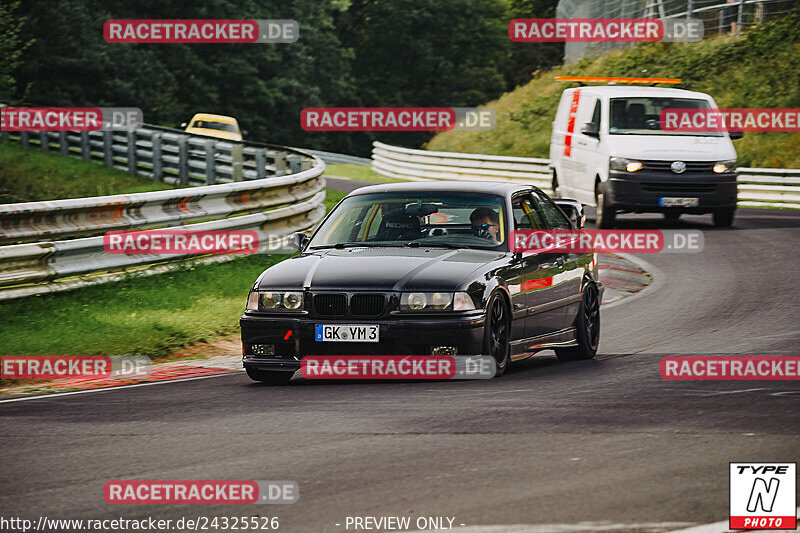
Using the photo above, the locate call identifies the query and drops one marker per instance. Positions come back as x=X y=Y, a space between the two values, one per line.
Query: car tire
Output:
x=605 y=214
x=496 y=333
x=723 y=218
x=270 y=378
x=587 y=327
x=672 y=216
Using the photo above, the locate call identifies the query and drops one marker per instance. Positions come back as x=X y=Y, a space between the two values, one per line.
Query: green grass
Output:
x=760 y=69
x=358 y=172
x=30 y=175
x=140 y=315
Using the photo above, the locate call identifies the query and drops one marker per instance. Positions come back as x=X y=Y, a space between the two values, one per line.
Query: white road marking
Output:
x=111 y=389
x=580 y=527
x=722 y=527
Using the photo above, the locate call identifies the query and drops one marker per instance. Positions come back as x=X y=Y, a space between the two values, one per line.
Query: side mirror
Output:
x=244 y=132
x=590 y=129
x=298 y=240
x=574 y=211
x=736 y=135
x=183 y=124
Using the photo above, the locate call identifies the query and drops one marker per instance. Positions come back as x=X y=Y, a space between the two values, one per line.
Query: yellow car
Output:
x=218 y=126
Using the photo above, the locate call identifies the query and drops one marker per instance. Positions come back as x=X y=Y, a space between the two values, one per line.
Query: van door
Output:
x=586 y=154
x=558 y=137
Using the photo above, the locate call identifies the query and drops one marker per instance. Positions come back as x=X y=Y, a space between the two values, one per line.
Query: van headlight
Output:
x=624 y=165
x=276 y=301
x=725 y=166
x=436 y=301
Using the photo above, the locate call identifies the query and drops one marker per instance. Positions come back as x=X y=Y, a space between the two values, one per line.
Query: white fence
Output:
x=758 y=187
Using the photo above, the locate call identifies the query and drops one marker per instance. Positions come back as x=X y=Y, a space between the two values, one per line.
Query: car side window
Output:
x=525 y=216
x=552 y=215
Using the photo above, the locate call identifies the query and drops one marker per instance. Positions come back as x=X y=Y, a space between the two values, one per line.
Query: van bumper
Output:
x=642 y=192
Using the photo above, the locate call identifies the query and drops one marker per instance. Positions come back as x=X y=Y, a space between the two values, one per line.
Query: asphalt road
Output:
x=549 y=443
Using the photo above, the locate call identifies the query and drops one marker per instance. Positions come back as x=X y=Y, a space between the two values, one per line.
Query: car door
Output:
x=566 y=288
x=532 y=288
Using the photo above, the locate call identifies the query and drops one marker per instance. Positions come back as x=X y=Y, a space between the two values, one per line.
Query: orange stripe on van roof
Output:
x=621 y=80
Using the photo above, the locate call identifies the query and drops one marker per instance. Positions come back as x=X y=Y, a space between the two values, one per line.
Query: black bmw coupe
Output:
x=425 y=269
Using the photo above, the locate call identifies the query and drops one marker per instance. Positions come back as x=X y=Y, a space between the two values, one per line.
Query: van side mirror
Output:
x=735 y=135
x=590 y=129
x=298 y=240
x=574 y=211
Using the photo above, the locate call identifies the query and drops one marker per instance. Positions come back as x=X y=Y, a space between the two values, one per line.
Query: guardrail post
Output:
x=86 y=152
x=44 y=141
x=295 y=164
x=211 y=170
x=4 y=135
x=739 y=17
x=261 y=163
x=23 y=138
x=132 y=163
x=157 y=166
x=63 y=143
x=280 y=163
x=183 y=160
x=689 y=9
x=237 y=156
x=108 y=148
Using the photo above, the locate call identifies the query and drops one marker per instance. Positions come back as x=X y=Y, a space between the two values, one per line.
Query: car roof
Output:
x=217 y=118
x=488 y=187
x=634 y=91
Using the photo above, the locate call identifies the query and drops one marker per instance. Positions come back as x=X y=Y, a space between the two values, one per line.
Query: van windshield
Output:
x=640 y=116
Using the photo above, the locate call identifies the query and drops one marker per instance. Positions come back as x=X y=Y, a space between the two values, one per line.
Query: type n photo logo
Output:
x=763 y=496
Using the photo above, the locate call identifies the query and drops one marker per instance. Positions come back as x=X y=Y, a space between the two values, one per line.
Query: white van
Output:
x=607 y=151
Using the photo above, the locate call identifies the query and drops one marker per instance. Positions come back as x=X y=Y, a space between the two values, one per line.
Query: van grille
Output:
x=691 y=166
x=668 y=188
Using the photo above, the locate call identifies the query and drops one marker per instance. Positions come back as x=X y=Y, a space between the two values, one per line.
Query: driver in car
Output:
x=485 y=223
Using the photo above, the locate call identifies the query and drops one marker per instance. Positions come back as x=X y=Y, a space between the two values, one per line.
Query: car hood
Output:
x=671 y=147
x=387 y=269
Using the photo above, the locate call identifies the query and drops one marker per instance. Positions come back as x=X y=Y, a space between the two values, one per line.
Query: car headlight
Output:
x=627 y=165
x=436 y=301
x=285 y=302
x=725 y=166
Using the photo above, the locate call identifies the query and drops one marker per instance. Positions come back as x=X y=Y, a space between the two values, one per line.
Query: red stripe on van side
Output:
x=573 y=110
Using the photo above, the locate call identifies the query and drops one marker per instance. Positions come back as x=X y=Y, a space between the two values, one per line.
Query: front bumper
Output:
x=399 y=335
x=640 y=192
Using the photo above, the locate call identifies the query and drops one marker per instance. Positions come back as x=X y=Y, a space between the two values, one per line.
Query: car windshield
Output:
x=640 y=115
x=446 y=219
x=211 y=125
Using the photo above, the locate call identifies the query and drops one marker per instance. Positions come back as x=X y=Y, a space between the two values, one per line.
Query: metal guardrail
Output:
x=170 y=155
x=264 y=188
x=758 y=187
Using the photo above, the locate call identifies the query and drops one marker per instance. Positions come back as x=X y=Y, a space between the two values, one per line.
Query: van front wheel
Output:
x=606 y=214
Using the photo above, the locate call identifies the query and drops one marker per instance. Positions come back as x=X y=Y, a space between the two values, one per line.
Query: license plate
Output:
x=347 y=333
x=670 y=201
